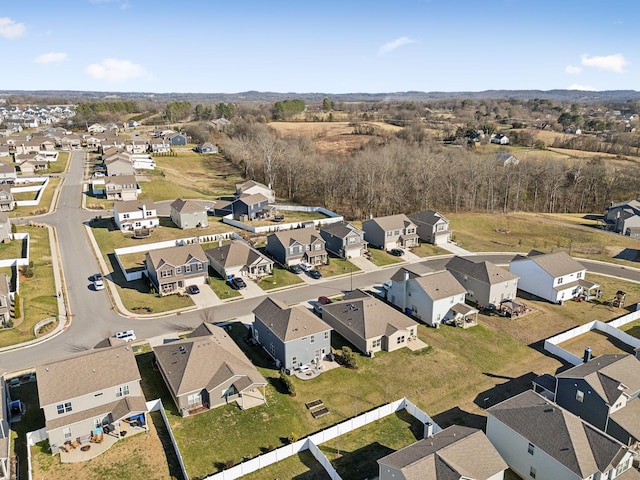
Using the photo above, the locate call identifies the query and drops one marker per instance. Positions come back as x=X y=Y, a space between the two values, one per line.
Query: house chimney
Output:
x=428 y=430
x=587 y=355
x=144 y=210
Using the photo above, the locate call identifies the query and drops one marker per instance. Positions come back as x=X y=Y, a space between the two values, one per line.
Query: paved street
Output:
x=93 y=316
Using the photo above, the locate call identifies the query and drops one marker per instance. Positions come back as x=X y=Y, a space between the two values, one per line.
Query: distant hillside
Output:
x=270 y=97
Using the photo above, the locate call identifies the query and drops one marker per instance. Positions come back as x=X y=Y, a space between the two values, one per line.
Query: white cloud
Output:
x=114 y=70
x=398 y=42
x=572 y=70
x=10 y=28
x=584 y=88
x=51 y=57
x=611 y=63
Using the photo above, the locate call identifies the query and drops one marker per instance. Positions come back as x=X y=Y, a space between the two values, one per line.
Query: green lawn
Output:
x=32 y=420
x=12 y=249
x=221 y=288
x=45 y=201
x=280 y=277
x=60 y=165
x=382 y=258
x=38 y=292
x=301 y=467
x=337 y=266
x=428 y=250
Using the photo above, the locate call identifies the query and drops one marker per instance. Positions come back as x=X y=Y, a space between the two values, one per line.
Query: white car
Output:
x=98 y=284
x=307 y=267
x=127 y=335
x=98 y=175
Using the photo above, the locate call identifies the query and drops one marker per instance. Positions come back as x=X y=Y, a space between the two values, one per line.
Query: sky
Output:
x=327 y=46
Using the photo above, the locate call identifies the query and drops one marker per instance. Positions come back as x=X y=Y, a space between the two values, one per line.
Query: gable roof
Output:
x=121 y=180
x=412 y=271
x=236 y=253
x=609 y=375
x=186 y=206
x=241 y=187
x=440 y=285
x=178 y=255
x=93 y=370
x=367 y=316
x=556 y=264
x=340 y=229
x=288 y=323
x=453 y=453
x=485 y=272
x=129 y=206
x=252 y=199
x=204 y=360
x=580 y=447
x=390 y=222
x=304 y=236
x=428 y=217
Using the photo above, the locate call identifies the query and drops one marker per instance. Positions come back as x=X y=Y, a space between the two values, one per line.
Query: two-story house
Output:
x=343 y=239
x=173 y=269
x=238 y=259
x=604 y=392
x=160 y=145
x=251 y=207
x=291 y=247
x=369 y=324
x=292 y=336
x=207 y=369
x=486 y=283
x=433 y=298
x=7 y=202
x=541 y=440
x=6 y=232
x=555 y=277
x=393 y=231
x=251 y=187
x=8 y=173
x=188 y=214
x=623 y=217
x=121 y=187
x=132 y=215
x=5 y=300
x=103 y=390
x=432 y=226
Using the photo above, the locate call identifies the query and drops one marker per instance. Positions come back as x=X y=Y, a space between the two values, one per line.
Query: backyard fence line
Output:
x=154 y=406
x=34 y=437
x=18 y=262
x=332 y=217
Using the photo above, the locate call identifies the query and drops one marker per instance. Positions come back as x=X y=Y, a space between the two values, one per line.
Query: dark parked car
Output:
x=314 y=274
x=295 y=269
x=193 y=289
x=238 y=283
x=396 y=252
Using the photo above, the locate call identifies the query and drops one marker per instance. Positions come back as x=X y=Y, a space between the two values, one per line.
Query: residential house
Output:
x=132 y=215
x=112 y=141
x=393 y=231
x=5 y=228
x=251 y=187
x=33 y=165
x=8 y=173
x=70 y=142
x=119 y=164
x=291 y=247
x=343 y=239
x=293 y=336
x=206 y=148
x=433 y=298
x=160 y=145
x=103 y=390
x=207 y=369
x=121 y=187
x=136 y=146
x=369 y=323
x=96 y=128
x=5 y=300
x=486 y=283
x=539 y=439
x=188 y=214
x=177 y=139
x=251 y=207
x=431 y=227
x=499 y=139
x=4 y=151
x=506 y=159
x=238 y=259
x=6 y=199
x=555 y=277
x=142 y=161
x=454 y=453
x=5 y=429
x=604 y=392
x=27 y=147
x=172 y=269
x=623 y=217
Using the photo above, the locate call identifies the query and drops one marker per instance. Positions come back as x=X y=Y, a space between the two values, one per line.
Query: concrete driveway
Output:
x=206 y=297
x=252 y=289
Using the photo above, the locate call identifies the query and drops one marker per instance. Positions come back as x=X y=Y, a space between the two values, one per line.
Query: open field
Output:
x=521 y=232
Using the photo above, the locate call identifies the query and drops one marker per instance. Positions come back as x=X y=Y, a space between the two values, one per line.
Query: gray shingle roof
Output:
x=177 y=255
x=129 y=206
x=428 y=217
x=288 y=323
x=391 y=222
x=236 y=253
x=340 y=229
x=304 y=236
x=556 y=264
x=440 y=285
x=485 y=272
x=186 y=206
x=580 y=447
x=414 y=270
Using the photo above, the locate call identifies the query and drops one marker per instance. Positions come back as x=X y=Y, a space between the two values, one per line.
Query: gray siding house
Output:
x=623 y=217
x=172 y=269
x=103 y=390
x=207 y=369
x=292 y=247
x=251 y=207
x=343 y=239
x=604 y=392
x=432 y=227
x=293 y=336
x=369 y=324
x=188 y=214
x=393 y=231
x=486 y=283
x=237 y=258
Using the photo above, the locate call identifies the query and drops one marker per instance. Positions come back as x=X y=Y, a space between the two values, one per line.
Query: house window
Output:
x=579 y=275
x=178 y=269
x=122 y=390
x=623 y=467
x=560 y=280
x=194 y=399
x=199 y=265
x=273 y=349
x=294 y=361
x=396 y=232
x=125 y=216
x=326 y=335
x=60 y=409
x=530 y=449
x=376 y=343
x=389 y=233
x=67 y=432
x=67 y=407
x=580 y=396
x=440 y=228
x=187 y=269
x=532 y=472
x=312 y=339
x=138 y=224
x=318 y=246
x=165 y=273
x=290 y=249
x=400 y=339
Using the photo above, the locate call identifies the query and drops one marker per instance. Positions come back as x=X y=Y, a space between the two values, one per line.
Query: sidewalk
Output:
x=455 y=249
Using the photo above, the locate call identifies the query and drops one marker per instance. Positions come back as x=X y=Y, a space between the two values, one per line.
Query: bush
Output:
x=16 y=308
x=27 y=270
x=293 y=438
x=229 y=462
x=287 y=384
x=350 y=358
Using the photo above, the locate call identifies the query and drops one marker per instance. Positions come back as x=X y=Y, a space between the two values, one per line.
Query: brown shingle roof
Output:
x=186 y=206
x=175 y=256
x=392 y=222
x=304 y=236
x=129 y=206
x=288 y=323
x=236 y=253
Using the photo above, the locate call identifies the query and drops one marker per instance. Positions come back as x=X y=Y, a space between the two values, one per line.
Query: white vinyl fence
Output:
x=332 y=217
